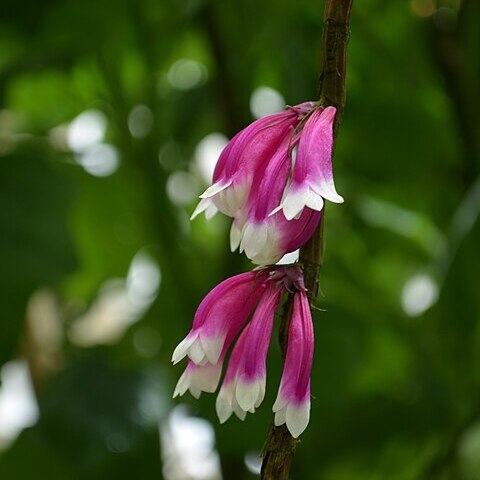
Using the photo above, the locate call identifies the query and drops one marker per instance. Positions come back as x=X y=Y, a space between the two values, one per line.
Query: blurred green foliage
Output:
x=396 y=379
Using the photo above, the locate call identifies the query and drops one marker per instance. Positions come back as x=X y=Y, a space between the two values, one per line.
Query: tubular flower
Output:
x=220 y=317
x=312 y=178
x=293 y=401
x=218 y=321
x=245 y=157
x=265 y=238
x=243 y=387
x=275 y=202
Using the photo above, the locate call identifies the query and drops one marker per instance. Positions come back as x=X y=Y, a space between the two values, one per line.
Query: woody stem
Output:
x=280 y=445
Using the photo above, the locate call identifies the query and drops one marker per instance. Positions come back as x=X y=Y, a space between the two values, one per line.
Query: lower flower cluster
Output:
x=243 y=308
x=272 y=179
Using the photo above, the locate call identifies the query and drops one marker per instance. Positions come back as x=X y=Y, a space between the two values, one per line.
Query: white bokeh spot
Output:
x=186 y=74
x=419 y=294
x=86 y=130
x=266 y=101
x=207 y=152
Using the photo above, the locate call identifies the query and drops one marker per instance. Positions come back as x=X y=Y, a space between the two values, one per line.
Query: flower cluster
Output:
x=222 y=315
x=272 y=178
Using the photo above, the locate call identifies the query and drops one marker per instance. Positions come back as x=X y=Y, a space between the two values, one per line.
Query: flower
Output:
x=275 y=202
x=265 y=238
x=292 y=405
x=245 y=157
x=243 y=387
x=312 y=178
x=218 y=321
x=220 y=317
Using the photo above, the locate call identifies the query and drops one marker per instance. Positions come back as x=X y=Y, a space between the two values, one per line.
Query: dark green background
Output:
x=395 y=396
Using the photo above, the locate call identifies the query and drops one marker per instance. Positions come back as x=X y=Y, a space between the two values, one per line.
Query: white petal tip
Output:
x=241 y=415
x=326 y=189
x=182 y=348
x=211 y=211
x=196 y=353
x=280 y=403
x=178 y=356
x=196 y=393
x=275 y=210
x=289 y=215
x=247 y=394
x=202 y=206
x=297 y=418
x=214 y=189
x=294 y=203
x=223 y=406
x=182 y=385
x=332 y=196
x=235 y=236
x=224 y=414
x=212 y=348
x=260 y=242
x=279 y=417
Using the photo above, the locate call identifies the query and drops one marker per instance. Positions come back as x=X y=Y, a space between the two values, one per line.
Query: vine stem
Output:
x=280 y=445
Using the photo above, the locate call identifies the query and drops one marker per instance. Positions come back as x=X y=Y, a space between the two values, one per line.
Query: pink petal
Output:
x=246 y=156
x=220 y=316
x=312 y=177
x=244 y=383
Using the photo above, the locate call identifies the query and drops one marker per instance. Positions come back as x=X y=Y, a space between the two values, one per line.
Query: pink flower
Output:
x=218 y=321
x=251 y=182
x=219 y=318
x=312 y=178
x=264 y=237
x=245 y=157
x=292 y=406
x=243 y=387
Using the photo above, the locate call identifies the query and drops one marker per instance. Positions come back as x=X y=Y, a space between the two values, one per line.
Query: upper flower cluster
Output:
x=220 y=318
x=272 y=179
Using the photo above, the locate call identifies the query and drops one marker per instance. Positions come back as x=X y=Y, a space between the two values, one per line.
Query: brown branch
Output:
x=280 y=445
x=331 y=91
